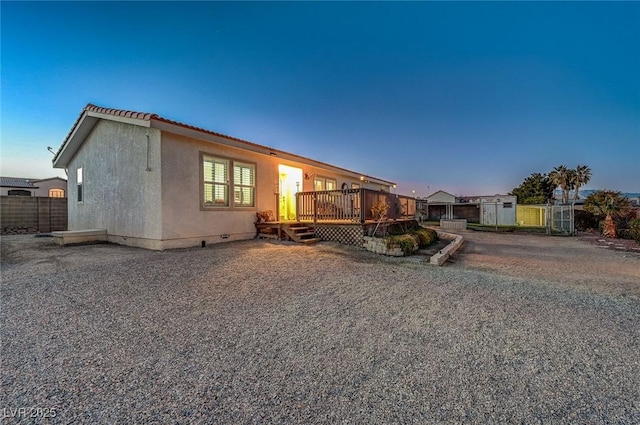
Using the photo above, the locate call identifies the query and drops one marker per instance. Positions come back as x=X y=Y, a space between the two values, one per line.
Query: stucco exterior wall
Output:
x=185 y=223
x=120 y=195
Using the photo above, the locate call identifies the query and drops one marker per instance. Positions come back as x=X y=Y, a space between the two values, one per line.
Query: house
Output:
x=54 y=187
x=157 y=183
x=442 y=205
x=489 y=210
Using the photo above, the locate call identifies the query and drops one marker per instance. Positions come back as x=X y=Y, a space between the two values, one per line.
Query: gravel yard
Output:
x=516 y=329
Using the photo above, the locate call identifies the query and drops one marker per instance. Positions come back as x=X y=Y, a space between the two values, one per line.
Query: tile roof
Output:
x=17 y=182
x=120 y=113
x=146 y=116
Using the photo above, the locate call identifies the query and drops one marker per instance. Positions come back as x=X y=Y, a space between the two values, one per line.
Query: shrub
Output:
x=584 y=220
x=425 y=237
x=624 y=234
x=407 y=243
x=634 y=229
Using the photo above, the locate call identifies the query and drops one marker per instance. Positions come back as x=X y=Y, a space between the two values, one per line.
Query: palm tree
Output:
x=582 y=176
x=562 y=176
x=609 y=204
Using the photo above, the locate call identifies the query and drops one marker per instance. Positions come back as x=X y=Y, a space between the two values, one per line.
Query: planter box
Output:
x=379 y=246
x=453 y=224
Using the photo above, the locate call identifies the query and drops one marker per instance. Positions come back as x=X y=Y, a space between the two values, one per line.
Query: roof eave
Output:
x=81 y=129
x=198 y=133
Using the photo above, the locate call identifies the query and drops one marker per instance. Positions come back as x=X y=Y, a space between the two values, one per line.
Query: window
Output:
x=507 y=205
x=79 y=183
x=243 y=184
x=19 y=192
x=324 y=183
x=56 y=193
x=216 y=182
x=218 y=185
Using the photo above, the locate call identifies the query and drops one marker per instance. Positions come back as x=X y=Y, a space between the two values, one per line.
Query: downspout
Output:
x=148 y=151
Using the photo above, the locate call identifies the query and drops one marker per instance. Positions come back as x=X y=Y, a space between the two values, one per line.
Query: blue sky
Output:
x=465 y=97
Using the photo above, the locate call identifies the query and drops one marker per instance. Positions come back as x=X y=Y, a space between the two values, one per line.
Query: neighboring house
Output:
x=54 y=187
x=441 y=197
x=489 y=210
x=157 y=183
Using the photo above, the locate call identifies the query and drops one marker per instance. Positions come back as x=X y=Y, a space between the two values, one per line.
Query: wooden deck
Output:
x=351 y=206
x=337 y=215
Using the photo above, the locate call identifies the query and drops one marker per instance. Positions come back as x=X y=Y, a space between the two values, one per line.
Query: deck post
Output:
x=314 y=199
x=363 y=207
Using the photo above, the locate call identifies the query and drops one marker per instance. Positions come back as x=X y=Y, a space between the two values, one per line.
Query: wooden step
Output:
x=303 y=234
x=299 y=228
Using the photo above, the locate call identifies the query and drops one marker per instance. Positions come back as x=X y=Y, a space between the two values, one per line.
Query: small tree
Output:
x=535 y=189
x=609 y=204
x=379 y=210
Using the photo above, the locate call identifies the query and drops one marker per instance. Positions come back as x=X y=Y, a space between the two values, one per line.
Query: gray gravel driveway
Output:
x=517 y=329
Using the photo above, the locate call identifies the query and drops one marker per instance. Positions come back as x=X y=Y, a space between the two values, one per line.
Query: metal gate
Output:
x=560 y=219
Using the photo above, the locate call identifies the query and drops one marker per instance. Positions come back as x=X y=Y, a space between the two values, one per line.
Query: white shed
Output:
x=498 y=210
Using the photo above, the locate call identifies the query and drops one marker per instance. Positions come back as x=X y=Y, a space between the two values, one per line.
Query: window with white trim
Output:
x=324 y=183
x=218 y=183
x=244 y=183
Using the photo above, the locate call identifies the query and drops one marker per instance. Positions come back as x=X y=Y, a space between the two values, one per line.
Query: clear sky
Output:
x=470 y=98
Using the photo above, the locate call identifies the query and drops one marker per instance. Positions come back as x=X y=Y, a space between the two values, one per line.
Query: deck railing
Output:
x=351 y=205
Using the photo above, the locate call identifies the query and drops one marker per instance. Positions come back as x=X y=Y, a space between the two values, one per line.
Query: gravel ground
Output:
x=517 y=329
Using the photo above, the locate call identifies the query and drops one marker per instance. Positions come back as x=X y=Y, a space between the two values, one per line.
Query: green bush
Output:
x=425 y=237
x=406 y=242
x=634 y=229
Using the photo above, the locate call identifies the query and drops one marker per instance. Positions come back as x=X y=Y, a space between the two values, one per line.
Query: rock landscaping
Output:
x=518 y=329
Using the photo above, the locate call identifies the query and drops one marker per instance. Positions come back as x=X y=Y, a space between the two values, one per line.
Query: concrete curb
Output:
x=79 y=237
x=443 y=255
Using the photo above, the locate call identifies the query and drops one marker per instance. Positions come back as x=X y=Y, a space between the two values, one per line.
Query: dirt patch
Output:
x=563 y=261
